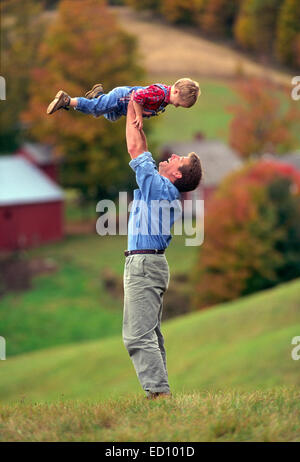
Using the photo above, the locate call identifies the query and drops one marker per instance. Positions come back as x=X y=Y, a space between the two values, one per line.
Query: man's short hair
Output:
x=189 y=91
x=191 y=174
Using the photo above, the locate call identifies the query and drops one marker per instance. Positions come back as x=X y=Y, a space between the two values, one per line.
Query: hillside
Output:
x=72 y=304
x=187 y=52
x=207 y=416
x=243 y=345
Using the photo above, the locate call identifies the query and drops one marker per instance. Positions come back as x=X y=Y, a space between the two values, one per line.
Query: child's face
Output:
x=175 y=99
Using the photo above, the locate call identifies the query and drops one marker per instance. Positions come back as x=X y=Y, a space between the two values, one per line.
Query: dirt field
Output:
x=169 y=50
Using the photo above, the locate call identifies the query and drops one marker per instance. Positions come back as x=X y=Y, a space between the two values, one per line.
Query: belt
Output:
x=132 y=252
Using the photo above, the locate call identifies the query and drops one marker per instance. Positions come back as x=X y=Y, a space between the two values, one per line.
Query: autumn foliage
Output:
x=83 y=46
x=252 y=234
x=22 y=30
x=264 y=27
x=262 y=121
x=288 y=33
x=256 y=23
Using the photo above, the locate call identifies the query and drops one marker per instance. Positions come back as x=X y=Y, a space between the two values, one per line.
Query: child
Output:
x=148 y=101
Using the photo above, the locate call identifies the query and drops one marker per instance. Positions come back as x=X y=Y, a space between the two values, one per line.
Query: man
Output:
x=146 y=273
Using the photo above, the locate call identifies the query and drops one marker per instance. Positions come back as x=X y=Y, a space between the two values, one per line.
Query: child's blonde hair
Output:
x=189 y=91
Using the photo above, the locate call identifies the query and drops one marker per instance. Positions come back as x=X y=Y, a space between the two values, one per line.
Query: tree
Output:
x=216 y=17
x=153 y=5
x=255 y=25
x=288 y=33
x=262 y=121
x=83 y=46
x=22 y=31
x=180 y=11
x=252 y=234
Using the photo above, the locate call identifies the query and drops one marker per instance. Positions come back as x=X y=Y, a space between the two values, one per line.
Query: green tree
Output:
x=252 y=234
x=22 y=31
x=288 y=33
x=255 y=25
x=83 y=46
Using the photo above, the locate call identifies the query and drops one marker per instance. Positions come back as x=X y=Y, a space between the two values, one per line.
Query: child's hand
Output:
x=147 y=113
x=138 y=122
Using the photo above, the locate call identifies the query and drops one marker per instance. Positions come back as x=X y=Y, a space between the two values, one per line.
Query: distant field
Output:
x=72 y=304
x=244 y=345
x=206 y=416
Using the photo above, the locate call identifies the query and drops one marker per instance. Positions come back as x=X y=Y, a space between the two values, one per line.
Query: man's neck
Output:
x=167 y=176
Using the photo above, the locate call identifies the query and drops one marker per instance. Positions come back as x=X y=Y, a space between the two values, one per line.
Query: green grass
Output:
x=73 y=213
x=206 y=416
x=245 y=345
x=209 y=115
x=72 y=304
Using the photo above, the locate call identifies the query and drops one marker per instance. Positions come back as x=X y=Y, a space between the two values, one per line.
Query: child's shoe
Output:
x=95 y=92
x=61 y=101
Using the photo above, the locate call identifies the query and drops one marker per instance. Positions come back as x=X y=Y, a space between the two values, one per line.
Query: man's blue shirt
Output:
x=155 y=207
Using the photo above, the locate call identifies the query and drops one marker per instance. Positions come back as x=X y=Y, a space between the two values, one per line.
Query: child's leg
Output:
x=97 y=106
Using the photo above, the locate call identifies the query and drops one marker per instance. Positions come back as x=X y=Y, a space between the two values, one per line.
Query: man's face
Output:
x=170 y=168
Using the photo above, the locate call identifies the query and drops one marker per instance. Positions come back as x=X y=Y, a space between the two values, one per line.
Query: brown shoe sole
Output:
x=96 y=91
x=61 y=101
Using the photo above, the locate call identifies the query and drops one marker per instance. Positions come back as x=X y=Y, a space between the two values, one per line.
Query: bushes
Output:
x=252 y=234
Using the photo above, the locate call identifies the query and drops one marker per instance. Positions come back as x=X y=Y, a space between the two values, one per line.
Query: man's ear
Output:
x=178 y=174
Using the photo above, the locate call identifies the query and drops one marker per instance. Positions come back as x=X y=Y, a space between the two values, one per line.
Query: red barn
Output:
x=31 y=205
x=42 y=156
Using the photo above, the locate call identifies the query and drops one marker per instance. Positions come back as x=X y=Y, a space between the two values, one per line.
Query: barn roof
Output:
x=41 y=154
x=23 y=183
x=217 y=159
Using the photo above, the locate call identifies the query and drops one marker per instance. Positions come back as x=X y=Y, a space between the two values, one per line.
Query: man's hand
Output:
x=136 y=140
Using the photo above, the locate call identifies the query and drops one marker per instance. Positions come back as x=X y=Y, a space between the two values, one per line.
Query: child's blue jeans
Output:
x=111 y=105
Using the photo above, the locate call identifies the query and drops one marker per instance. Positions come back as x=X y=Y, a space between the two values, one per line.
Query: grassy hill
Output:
x=205 y=416
x=72 y=304
x=244 y=345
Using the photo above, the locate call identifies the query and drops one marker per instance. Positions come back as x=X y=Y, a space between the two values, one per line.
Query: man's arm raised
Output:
x=135 y=138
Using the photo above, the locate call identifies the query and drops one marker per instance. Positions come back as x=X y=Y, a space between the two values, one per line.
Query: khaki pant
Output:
x=146 y=278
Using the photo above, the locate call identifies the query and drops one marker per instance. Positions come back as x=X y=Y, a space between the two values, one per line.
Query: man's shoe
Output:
x=95 y=92
x=158 y=394
x=61 y=101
